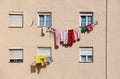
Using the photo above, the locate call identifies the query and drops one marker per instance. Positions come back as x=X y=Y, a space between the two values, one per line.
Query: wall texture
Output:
x=65 y=15
x=113 y=39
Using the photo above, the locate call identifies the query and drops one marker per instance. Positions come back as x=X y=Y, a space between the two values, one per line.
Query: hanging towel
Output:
x=83 y=28
x=40 y=59
x=89 y=27
x=37 y=59
x=75 y=35
x=71 y=37
x=62 y=36
x=78 y=33
x=65 y=37
x=44 y=29
x=57 y=37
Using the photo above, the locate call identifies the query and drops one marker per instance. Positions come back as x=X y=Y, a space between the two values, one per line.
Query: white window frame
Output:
x=48 y=58
x=85 y=14
x=16 y=13
x=85 y=51
x=15 y=60
x=44 y=13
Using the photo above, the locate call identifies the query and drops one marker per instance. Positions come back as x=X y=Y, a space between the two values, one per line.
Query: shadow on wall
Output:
x=33 y=68
x=37 y=67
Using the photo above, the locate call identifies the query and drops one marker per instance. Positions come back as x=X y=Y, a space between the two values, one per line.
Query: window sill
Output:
x=15 y=62
x=85 y=62
x=43 y=26
x=15 y=26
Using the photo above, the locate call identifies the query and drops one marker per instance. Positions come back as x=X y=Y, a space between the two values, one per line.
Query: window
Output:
x=16 y=55
x=44 y=19
x=86 y=54
x=45 y=51
x=16 y=20
x=85 y=19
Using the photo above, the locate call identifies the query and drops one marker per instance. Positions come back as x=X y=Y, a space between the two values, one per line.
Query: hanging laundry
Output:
x=62 y=36
x=77 y=33
x=89 y=27
x=48 y=59
x=71 y=37
x=37 y=59
x=51 y=30
x=44 y=29
x=83 y=28
x=57 y=37
x=40 y=59
x=65 y=37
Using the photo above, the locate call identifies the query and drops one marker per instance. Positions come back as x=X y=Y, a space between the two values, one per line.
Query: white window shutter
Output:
x=16 y=54
x=44 y=52
x=16 y=20
x=86 y=51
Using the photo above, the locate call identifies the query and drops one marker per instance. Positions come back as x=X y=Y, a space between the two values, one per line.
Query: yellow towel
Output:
x=40 y=59
x=37 y=59
x=43 y=59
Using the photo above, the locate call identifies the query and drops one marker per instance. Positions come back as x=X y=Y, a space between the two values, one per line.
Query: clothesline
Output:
x=89 y=25
x=70 y=36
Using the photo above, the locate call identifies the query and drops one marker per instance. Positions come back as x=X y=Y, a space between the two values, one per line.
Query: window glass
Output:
x=44 y=19
x=86 y=18
x=90 y=20
x=41 y=20
x=83 y=21
x=90 y=58
x=48 y=20
x=83 y=58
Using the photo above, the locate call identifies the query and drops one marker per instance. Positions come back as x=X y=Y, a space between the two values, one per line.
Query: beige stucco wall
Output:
x=65 y=15
x=113 y=39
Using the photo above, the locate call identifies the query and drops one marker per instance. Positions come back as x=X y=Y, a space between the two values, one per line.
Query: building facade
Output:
x=27 y=30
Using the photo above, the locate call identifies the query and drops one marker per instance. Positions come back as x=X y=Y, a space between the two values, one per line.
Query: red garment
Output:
x=89 y=27
x=71 y=39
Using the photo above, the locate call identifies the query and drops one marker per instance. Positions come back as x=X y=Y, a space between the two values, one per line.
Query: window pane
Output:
x=44 y=19
x=19 y=60
x=48 y=20
x=41 y=20
x=86 y=18
x=90 y=19
x=16 y=60
x=83 y=58
x=90 y=58
x=83 y=21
